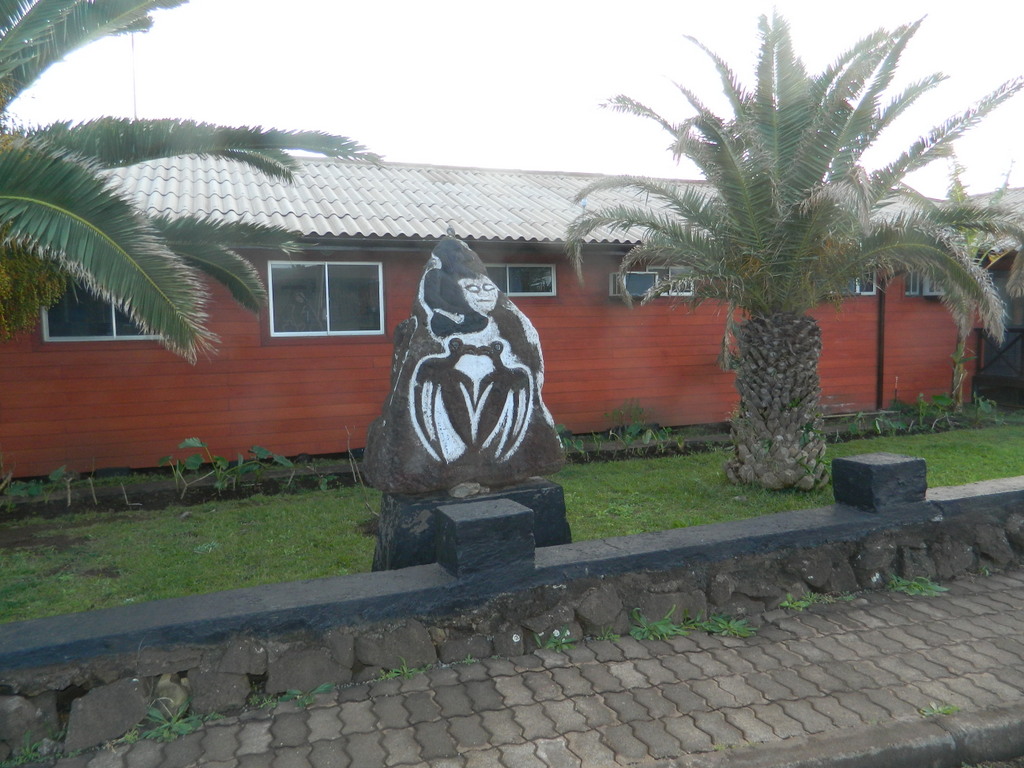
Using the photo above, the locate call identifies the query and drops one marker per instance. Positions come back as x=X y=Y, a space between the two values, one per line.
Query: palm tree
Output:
x=985 y=250
x=788 y=215
x=57 y=205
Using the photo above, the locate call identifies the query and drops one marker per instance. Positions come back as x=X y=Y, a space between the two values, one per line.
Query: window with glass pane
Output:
x=539 y=279
x=863 y=285
x=919 y=285
x=325 y=298
x=524 y=279
x=81 y=316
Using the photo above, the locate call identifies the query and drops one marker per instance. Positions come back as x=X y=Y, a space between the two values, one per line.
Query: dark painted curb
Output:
x=425 y=590
x=430 y=590
x=940 y=742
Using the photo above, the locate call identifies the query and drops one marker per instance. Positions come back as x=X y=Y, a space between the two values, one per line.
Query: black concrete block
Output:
x=876 y=481
x=407 y=532
x=478 y=536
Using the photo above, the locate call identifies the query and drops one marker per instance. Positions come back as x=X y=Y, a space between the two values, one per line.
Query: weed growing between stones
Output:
x=934 y=709
x=727 y=626
x=813 y=598
x=168 y=727
x=921 y=586
x=31 y=752
x=404 y=672
x=304 y=699
x=658 y=629
x=558 y=640
x=665 y=627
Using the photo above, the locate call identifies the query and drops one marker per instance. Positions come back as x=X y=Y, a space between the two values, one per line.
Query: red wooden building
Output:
x=310 y=372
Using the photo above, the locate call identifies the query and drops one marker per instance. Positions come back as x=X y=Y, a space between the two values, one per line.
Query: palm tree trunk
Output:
x=959 y=371
x=777 y=430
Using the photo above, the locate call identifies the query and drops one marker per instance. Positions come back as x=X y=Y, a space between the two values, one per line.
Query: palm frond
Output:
x=731 y=86
x=117 y=142
x=630 y=106
x=210 y=246
x=780 y=100
x=787 y=208
x=58 y=207
x=35 y=34
x=939 y=141
x=899 y=245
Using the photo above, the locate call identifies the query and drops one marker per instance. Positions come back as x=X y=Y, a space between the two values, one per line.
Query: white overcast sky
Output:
x=519 y=84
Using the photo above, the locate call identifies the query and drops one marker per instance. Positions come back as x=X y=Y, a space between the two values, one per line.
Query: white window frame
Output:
x=616 y=288
x=549 y=267
x=659 y=273
x=680 y=272
x=325 y=264
x=917 y=284
x=114 y=336
x=865 y=285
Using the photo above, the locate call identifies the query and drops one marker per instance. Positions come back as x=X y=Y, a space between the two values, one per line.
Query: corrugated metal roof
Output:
x=342 y=198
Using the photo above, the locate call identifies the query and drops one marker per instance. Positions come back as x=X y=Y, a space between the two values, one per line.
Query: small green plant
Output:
x=304 y=698
x=727 y=626
x=31 y=489
x=796 y=603
x=658 y=629
x=557 y=640
x=570 y=443
x=934 y=709
x=259 y=700
x=165 y=726
x=404 y=671
x=812 y=598
x=225 y=473
x=607 y=634
x=889 y=424
x=664 y=628
x=30 y=752
x=921 y=586
x=983 y=411
x=262 y=459
x=630 y=423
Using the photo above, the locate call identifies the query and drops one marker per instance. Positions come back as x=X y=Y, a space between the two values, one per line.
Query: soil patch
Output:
x=40 y=535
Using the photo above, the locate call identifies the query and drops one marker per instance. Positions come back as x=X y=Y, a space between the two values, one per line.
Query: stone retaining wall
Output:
x=98 y=672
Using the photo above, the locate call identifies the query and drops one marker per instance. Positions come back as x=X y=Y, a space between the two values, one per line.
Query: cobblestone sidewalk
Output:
x=876 y=662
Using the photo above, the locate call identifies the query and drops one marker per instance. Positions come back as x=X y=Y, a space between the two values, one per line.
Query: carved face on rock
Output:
x=481 y=293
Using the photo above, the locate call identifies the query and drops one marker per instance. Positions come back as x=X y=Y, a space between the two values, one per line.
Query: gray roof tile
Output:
x=339 y=198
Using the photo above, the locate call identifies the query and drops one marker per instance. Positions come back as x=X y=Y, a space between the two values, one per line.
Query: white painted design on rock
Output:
x=476 y=395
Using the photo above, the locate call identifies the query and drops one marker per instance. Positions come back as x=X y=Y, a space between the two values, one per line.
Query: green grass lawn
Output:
x=96 y=560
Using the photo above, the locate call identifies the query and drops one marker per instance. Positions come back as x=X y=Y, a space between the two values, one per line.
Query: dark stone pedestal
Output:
x=408 y=526
x=877 y=481
x=478 y=536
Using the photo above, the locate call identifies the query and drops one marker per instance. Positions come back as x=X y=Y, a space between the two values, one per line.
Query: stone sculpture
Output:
x=465 y=403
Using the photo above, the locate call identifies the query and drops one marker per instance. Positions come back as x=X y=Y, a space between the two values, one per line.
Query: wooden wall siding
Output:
x=920 y=340
x=91 y=405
